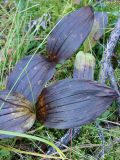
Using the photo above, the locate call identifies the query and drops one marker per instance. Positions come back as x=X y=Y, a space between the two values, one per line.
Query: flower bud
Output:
x=84 y=66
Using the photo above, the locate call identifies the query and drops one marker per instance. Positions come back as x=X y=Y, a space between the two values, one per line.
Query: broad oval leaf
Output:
x=30 y=76
x=98 y=28
x=70 y=33
x=72 y=103
x=84 y=66
x=16 y=113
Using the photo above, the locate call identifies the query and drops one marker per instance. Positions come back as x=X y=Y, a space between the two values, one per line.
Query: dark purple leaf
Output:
x=30 y=76
x=102 y=19
x=70 y=33
x=16 y=113
x=98 y=29
x=72 y=103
